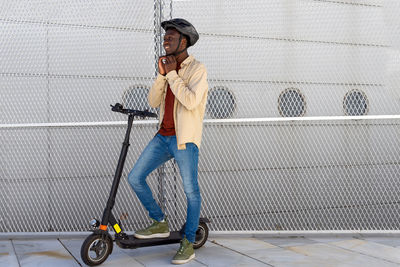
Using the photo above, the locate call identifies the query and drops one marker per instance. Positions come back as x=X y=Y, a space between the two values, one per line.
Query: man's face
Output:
x=171 y=40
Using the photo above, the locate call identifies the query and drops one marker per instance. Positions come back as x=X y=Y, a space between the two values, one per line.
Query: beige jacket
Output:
x=190 y=88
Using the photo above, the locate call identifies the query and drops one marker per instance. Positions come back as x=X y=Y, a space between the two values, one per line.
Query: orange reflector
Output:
x=103 y=227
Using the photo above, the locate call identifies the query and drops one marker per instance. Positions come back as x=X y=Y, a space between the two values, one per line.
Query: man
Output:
x=180 y=91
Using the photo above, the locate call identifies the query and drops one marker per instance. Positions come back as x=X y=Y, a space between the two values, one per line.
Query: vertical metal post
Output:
x=49 y=149
x=161 y=13
x=157 y=33
x=158 y=10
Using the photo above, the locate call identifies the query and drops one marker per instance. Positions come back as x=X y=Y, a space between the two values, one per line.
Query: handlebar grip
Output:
x=117 y=107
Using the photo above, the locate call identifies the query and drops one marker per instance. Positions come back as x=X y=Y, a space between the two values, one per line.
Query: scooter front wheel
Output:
x=95 y=249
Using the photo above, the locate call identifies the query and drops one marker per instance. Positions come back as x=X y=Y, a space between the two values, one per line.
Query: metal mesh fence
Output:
x=62 y=64
x=302 y=175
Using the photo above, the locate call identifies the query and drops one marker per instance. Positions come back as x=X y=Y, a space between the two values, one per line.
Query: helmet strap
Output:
x=176 y=53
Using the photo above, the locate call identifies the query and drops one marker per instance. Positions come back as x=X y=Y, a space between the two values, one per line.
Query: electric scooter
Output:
x=99 y=245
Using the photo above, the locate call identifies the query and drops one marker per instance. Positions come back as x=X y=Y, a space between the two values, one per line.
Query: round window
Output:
x=355 y=103
x=291 y=103
x=136 y=98
x=221 y=103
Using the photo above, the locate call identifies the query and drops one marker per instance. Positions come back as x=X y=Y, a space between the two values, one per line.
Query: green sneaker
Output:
x=155 y=230
x=185 y=253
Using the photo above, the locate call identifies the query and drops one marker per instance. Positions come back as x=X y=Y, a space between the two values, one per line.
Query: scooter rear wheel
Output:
x=201 y=235
x=96 y=249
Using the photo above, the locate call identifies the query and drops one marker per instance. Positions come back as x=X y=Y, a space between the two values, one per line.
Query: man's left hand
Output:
x=170 y=64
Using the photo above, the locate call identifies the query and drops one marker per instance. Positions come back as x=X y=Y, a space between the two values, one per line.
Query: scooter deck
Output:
x=132 y=242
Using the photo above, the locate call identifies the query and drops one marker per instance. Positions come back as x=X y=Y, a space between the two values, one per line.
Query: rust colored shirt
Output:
x=168 y=124
x=190 y=89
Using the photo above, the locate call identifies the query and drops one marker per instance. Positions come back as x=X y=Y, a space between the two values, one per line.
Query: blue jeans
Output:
x=158 y=151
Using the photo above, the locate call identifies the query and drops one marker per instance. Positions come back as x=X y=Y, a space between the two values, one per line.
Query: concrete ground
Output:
x=220 y=250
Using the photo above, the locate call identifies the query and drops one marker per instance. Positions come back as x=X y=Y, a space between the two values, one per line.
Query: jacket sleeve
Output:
x=189 y=95
x=156 y=91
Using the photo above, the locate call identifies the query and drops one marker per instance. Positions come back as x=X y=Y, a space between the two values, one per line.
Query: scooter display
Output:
x=99 y=245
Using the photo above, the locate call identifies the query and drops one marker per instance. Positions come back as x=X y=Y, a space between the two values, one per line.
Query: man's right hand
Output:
x=161 y=67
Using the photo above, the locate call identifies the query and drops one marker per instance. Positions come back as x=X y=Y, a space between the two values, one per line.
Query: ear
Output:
x=184 y=42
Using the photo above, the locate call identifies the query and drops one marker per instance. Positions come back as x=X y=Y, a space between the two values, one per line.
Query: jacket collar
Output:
x=187 y=61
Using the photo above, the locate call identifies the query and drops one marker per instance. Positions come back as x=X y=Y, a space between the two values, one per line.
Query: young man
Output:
x=180 y=91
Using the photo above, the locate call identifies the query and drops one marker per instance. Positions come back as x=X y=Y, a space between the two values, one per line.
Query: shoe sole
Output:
x=159 y=235
x=183 y=261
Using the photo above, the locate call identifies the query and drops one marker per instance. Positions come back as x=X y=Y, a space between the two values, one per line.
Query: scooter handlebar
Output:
x=145 y=113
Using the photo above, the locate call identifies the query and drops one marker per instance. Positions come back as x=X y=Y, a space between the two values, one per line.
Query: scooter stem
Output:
x=118 y=173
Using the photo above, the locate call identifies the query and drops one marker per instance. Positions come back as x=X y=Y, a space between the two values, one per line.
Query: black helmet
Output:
x=184 y=27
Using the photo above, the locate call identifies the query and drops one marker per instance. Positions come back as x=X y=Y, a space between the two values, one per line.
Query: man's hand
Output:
x=161 y=65
x=170 y=64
